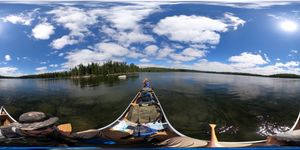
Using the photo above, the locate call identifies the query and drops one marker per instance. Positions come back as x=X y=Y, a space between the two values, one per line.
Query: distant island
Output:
x=112 y=68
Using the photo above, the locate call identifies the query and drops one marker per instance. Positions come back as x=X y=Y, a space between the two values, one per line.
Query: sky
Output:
x=253 y=37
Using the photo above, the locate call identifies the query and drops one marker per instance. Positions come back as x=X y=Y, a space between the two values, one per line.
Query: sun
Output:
x=288 y=26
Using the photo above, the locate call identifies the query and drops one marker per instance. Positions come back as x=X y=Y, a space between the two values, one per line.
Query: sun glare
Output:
x=288 y=26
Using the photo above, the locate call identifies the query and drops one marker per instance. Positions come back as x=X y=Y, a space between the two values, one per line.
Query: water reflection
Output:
x=241 y=106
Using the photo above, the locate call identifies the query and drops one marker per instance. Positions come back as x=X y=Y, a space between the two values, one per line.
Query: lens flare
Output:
x=288 y=26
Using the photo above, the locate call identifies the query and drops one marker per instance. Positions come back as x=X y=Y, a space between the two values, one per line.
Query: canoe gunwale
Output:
x=120 y=117
x=6 y=113
x=158 y=103
x=296 y=124
x=167 y=121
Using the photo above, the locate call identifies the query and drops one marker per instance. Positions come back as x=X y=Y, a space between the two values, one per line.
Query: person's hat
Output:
x=35 y=120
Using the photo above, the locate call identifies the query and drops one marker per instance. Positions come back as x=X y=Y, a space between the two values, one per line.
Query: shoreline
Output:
x=281 y=76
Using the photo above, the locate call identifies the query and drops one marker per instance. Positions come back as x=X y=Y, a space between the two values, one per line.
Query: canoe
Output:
x=188 y=142
x=122 y=77
x=296 y=125
x=143 y=121
x=5 y=117
x=290 y=137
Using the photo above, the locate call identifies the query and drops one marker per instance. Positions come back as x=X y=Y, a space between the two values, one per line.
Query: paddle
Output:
x=66 y=128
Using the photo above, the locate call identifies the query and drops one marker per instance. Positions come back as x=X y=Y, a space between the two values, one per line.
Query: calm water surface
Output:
x=244 y=108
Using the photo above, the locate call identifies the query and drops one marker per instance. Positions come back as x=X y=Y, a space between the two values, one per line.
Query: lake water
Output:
x=243 y=107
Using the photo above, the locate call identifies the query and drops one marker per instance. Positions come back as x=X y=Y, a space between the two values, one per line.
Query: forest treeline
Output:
x=92 y=69
x=118 y=68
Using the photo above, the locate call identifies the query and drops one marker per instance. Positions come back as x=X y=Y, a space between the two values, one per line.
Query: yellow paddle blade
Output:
x=67 y=127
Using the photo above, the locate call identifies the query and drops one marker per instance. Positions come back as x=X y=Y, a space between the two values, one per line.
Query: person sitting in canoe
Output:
x=146 y=84
x=35 y=126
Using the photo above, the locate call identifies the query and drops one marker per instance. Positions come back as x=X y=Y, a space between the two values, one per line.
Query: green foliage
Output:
x=92 y=69
x=285 y=76
x=117 y=68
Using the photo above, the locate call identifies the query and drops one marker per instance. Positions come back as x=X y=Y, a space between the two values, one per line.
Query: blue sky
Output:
x=261 y=38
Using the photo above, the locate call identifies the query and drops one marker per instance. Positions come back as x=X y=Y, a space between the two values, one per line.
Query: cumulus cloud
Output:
x=191 y=29
x=215 y=66
x=151 y=50
x=125 y=22
x=187 y=54
x=196 y=29
x=111 y=49
x=7 y=58
x=42 y=69
x=247 y=59
x=181 y=57
x=144 y=60
x=9 y=71
x=128 y=17
x=193 y=52
x=127 y=38
x=23 y=19
x=164 y=52
x=53 y=65
x=121 y=22
x=99 y=53
x=289 y=64
x=294 y=51
x=43 y=31
x=74 y=19
x=63 y=41
x=84 y=56
x=233 y=21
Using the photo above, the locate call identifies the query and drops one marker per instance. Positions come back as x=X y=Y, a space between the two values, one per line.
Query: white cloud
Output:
x=127 y=38
x=125 y=22
x=99 y=53
x=288 y=64
x=7 y=58
x=162 y=53
x=144 y=60
x=18 y=19
x=196 y=29
x=181 y=57
x=74 y=19
x=267 y=58
x=63 y=41
x=191 y=29
x=42 y=69
x=84 y=56
x=128 y=17
x=151 y=50
x=247 y=59
x=294 y=51
x=9 y=71
x=233 y=21
x=43 y=62
x=43 y=31
x=193 y=52
x=135 y=54
x=61 y=54
x=112 y=49
x=205 y=65
x=53 y=65
x=187 y=54
x=121 y=22
x=144 y=65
